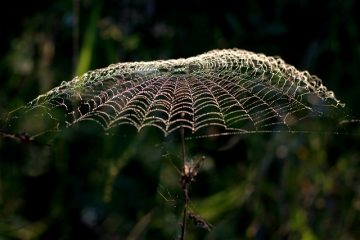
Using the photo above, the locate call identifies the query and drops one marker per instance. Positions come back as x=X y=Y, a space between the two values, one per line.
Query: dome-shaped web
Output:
x=234 y=90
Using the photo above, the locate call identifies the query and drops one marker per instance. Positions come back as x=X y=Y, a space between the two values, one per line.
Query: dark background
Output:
x=88 y=185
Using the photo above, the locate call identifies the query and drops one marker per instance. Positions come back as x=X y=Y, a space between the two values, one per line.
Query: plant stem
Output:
x=184 y=185
x=183 y=224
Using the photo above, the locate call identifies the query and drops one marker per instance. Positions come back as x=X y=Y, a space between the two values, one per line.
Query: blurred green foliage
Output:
x=88 y=185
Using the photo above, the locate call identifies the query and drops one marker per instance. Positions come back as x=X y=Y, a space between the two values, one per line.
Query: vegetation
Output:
x=84 y=184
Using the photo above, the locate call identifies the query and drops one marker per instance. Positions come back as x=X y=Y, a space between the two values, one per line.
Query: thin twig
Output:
x=184 y=221
x=182 y=136
x=184 y=184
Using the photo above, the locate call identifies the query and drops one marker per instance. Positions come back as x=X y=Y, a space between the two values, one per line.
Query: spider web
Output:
x=233 y=91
